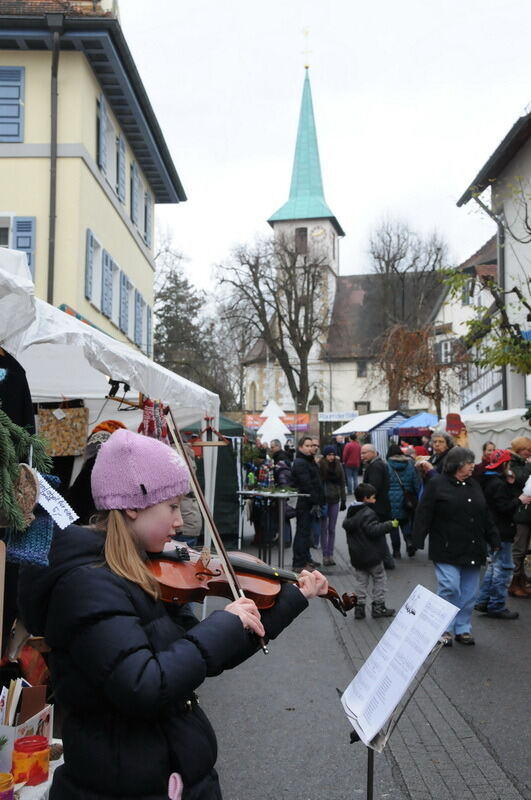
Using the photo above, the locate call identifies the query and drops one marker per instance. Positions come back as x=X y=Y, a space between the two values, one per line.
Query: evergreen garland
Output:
x=15 y=445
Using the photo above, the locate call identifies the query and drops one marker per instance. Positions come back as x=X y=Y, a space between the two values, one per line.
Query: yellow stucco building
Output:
x=82 y=163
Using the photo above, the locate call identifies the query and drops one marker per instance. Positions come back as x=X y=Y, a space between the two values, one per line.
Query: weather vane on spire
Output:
x=306 y=51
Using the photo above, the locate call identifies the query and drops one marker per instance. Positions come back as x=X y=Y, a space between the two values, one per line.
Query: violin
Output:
x=186 y=576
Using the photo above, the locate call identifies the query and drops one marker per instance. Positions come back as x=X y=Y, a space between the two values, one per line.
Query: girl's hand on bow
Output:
x=312 y=584
x=246 y=610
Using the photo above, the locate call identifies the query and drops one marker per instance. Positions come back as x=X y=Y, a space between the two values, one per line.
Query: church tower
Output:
x=311 y=232
x=306 y=218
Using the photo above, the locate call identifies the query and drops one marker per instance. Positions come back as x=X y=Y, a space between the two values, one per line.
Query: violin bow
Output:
x=230 y=572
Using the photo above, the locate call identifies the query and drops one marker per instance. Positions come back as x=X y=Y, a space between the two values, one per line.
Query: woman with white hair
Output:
x=453 y=512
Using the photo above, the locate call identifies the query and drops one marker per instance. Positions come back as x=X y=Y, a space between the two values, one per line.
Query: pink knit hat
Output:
x=134 y=471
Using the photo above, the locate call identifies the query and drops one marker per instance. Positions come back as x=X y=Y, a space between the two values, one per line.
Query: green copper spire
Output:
x=306 y=196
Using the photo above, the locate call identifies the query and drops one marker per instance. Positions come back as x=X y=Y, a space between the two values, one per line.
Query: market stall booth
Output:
x=67 y=360
x=499 y=427
x=379 y=425
x=421 y=424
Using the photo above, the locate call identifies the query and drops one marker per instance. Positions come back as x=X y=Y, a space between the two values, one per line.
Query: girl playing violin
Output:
x=124 y=665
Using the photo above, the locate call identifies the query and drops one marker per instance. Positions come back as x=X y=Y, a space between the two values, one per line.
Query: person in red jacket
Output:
x=352 y=462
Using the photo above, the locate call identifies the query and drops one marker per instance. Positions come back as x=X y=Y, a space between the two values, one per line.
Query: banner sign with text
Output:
x=297 y=422
x=253 y=421
x=337 y=416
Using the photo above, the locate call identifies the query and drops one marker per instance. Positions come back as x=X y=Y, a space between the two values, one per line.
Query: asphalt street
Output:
x=282 y=731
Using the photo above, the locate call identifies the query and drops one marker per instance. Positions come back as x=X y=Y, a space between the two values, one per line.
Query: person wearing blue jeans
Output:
x=333 y=479
x=351 y=458
x=351 y=477
x=458 y=585
x=502 y=503
x=496 y=580
x=454 y=514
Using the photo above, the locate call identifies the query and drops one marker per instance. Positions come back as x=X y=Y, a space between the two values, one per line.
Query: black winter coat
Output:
x=522 y=470
x=376 y=474
x=306 y=478
x=455 y=515
x=365 y=536
x=124 y=668
x=501 y=502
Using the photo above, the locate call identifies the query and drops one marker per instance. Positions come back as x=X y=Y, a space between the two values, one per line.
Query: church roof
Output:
x=358 y=318
x=306 y=195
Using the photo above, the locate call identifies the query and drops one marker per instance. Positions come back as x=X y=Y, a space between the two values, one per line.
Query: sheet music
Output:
x=382 y=681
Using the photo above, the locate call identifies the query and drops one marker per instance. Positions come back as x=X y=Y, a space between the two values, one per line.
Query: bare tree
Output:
x=411 y=364
x=397 y=254
x=278 y=293
x=410 y=270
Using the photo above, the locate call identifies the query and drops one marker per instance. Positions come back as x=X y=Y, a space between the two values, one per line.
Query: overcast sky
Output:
x=410 y=100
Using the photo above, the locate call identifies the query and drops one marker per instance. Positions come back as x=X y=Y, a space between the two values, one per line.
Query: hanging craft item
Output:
x=26 y=495
x=18 y=446
x=32 y=545
x=154 y=422
x=65 y=430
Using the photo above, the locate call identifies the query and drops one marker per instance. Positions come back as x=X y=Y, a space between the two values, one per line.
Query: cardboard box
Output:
x=40 y=724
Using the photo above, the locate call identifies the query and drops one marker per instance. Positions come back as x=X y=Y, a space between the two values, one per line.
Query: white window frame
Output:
x=447 y=351
x=97 y=273
x=115 y=316
x=111 y=174
x=7 y=217
x=131 y=320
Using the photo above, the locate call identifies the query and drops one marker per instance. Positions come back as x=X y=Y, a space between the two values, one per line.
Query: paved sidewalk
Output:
x=433 y=752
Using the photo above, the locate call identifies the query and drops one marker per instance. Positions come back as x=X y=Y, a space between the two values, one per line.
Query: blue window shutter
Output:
x=121 y=169
x=24 y=239
x=106 y=285
x=134 y=193
x=102 y=134
x=149 y=332
x=124 y=303
x=139 y=314
x=89 y=268
x=11 y=104
x=149 y=218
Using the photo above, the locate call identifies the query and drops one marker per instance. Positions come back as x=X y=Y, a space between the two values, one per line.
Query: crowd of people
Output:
x=472 y=515
x=125 y=665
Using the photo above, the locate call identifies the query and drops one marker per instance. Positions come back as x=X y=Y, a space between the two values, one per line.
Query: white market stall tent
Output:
x=499 y=427
x=66 y=358
x=379 y=424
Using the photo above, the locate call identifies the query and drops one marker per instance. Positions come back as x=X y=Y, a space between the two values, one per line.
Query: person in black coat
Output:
x=377 y=475
x=306 y=479
x=455 y=515
x=502 y=504
x=333 y=478
x=367 y=550
x=125 y=666
x=441 y=443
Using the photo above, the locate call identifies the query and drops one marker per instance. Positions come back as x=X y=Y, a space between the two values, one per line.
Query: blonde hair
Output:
x=520 y=443
x=122 y=555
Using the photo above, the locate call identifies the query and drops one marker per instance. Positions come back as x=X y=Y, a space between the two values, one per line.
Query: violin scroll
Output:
x=345 y=603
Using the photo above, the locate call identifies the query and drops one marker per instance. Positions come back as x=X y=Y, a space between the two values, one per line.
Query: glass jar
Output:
x=31 y=756
x=6 y=786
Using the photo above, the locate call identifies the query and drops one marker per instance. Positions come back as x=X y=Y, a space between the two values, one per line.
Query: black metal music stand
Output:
x=380 y=740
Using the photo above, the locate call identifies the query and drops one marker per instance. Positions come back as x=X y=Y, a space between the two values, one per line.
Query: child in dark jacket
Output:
x=366 y=545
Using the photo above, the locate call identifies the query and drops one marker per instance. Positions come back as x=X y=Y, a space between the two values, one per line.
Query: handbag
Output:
x=410 y=498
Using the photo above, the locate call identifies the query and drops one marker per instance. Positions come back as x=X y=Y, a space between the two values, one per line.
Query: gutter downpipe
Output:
x=500 y=253
x=55 y=24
